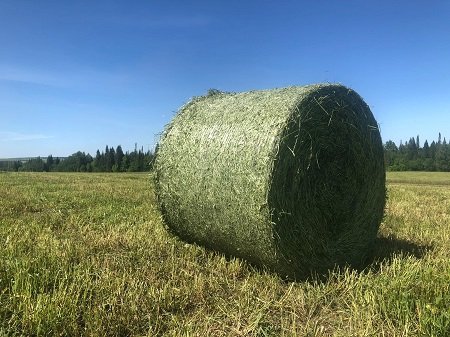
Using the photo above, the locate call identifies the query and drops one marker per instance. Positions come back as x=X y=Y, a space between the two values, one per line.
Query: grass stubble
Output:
x=87 y=254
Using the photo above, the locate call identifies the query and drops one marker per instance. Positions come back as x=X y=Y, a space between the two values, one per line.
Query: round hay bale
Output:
x=292 y=179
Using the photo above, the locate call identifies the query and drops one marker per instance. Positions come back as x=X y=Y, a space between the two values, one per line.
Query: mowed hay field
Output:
x=87 y=254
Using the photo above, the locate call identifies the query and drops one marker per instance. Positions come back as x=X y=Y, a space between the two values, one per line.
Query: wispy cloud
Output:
x=32 y=76
x=8 y=136
x=74 y=77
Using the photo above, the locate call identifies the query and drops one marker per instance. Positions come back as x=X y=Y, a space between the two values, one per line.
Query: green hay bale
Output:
x=292 y=179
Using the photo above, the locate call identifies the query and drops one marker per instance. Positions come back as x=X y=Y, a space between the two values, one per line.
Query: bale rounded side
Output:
x=292 y=179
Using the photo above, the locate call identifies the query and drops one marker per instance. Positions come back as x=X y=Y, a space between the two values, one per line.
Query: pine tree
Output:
x=390 y=153
x=442 y=159
x=110 y=158
x=96 y=164
x=426 y=149
x=108 y=161
x=433 y=149
x=125 y=164
x=428 y=162
x=118 y=159
x=50 y=163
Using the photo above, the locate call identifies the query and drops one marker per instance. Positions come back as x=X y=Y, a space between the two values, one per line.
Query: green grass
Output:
x=87 y=254
x=425 y=178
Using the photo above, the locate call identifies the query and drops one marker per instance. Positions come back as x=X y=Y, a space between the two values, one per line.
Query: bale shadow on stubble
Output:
x=386 y=248
x=384 y=251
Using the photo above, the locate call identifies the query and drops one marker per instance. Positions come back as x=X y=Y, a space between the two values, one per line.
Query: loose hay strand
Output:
x=292 y=179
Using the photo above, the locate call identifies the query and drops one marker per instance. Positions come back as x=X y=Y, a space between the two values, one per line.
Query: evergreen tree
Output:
x=390 y=153
x=33 y=165
x=433 y=149
x=89 y=160
x=76 y=162
x=50 y=163
x=98 y=164
x=442 y=159
x=118 y=158
x=133 y=162
x=428 y=162
x=411 y=149
x=410 y=156
x=17 y=165
x=125 y=164
x=107 y=159
x=426 y=149
x=110 y=158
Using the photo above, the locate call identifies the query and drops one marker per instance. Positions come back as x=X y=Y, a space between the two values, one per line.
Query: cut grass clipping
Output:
x=291 y=179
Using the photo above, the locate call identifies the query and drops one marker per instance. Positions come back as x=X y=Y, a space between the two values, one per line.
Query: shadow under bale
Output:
x=386 y=248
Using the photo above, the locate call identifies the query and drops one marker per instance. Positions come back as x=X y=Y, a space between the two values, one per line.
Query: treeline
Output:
x=411 y=156
x=109 y=160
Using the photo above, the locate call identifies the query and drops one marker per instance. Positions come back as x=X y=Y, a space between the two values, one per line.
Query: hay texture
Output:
x=292 y=179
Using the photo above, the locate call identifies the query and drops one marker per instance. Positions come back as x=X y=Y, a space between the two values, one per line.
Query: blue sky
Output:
x=79 y=75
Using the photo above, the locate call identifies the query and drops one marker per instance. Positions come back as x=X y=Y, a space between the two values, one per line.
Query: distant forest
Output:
x=109 y=160
x=409 y=156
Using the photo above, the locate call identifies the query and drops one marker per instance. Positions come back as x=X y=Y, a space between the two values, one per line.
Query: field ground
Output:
x=416 y=178
x=87 y=254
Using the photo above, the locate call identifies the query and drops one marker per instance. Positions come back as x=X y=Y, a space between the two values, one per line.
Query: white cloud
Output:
x=7 y=136
x=33 y=76
x=74 y=77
